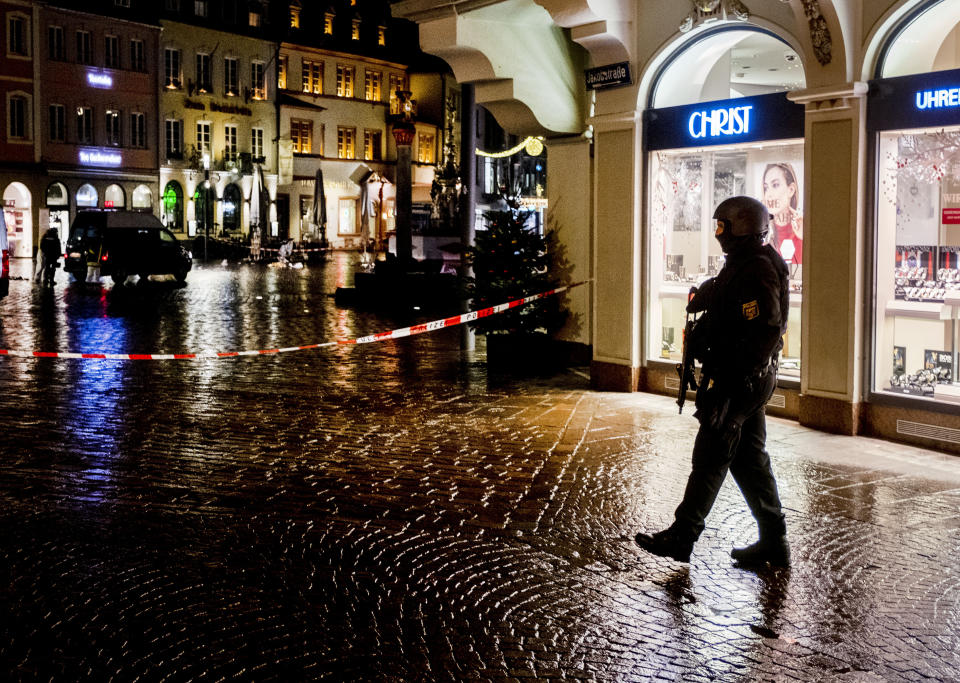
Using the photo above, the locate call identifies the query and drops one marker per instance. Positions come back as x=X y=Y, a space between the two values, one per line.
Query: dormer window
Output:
x=295 y=15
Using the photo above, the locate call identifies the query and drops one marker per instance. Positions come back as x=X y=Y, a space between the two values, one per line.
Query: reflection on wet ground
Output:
x=400 y=512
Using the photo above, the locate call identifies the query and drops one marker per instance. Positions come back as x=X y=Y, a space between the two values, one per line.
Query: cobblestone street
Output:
x=397 y=512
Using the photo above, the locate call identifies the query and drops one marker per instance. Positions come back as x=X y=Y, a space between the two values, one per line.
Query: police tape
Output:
x=295 y=251
x=398 y=333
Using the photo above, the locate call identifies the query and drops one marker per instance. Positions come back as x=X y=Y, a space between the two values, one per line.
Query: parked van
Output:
x=124 y=243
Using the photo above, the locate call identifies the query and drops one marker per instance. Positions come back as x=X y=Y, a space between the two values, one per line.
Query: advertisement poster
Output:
x=777 y=176
x=940 y=362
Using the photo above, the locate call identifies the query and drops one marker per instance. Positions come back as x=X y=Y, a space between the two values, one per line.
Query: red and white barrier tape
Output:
x=380 y=336
x=301 y=251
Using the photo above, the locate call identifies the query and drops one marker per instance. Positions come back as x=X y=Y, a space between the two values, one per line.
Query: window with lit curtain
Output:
x=256 y=144
x=230 y=143
x=312 y=77
x=258 y=81
x=346 y=143
x=344 y=80
x=282 y=74
x=372 y=81
x=301 y=134
x=372 y=144
x=425 y=148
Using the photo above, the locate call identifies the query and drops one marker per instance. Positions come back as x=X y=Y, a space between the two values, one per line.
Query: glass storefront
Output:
x=698 y=156
x=685 y=187
x=917 y=243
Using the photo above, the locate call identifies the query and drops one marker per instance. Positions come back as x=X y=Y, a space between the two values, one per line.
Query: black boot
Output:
x=773 y=550
x=667 y=543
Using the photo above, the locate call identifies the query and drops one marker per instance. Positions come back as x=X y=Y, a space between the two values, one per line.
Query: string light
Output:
x=533 y=146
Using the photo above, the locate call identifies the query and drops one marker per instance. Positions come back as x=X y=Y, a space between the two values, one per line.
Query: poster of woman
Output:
x=781 y=194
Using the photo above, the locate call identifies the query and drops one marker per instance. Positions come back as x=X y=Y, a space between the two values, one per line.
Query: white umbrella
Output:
x=320 y=207
x=256 y=209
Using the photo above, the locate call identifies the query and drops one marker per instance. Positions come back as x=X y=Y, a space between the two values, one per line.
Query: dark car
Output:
x=124 y=243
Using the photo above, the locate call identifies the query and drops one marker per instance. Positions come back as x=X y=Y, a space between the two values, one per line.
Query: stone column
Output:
x=832 y=313
x=468 y=197
x=616 y=251
x=404 y=133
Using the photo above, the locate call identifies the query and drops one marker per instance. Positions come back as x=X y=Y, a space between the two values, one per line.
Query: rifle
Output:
x=685 y=368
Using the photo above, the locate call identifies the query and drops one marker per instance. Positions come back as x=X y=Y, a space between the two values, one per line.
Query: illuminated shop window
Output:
x=142 y=198
x=87 y=196
x=172 y=210
x=232 y=201
x=685 y=188
x=114 y=198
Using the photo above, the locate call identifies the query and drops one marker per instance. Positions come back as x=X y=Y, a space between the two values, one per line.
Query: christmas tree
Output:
x=510 y=261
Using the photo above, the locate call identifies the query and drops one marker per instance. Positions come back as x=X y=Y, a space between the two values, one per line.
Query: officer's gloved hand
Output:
x=701 y=298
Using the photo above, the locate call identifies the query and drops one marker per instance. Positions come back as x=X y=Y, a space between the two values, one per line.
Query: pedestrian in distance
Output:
x=49 y=261
x=737 y=341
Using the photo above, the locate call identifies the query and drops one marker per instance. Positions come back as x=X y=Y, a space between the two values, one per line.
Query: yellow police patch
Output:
x=751 y=310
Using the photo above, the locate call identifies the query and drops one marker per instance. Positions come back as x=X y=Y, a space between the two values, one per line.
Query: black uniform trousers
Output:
x=741 y=452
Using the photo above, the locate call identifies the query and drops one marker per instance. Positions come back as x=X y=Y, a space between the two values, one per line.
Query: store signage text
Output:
x=97 y=158
x=950 y=216
x=222 y=108
x=720 y=122
x=938 y=99
x=99 y=80
x=608 y=76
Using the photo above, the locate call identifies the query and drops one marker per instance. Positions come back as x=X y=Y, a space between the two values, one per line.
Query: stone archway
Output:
x=18 y=212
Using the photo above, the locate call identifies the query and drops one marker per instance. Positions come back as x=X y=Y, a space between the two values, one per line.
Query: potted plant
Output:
x=511 y=260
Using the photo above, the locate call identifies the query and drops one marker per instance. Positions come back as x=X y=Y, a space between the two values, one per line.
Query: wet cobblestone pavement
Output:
x=394 y=512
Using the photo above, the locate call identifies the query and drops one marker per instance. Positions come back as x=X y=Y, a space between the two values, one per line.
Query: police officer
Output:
x=737 y=341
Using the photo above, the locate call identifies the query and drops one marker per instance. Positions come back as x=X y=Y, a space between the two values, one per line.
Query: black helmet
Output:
x=741 y=217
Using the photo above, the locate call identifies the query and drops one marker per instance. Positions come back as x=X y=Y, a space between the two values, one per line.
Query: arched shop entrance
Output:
x=719 y=124
x=114 y=198
x=232 y=201
x=142 y=198
x=172 y=214
x=58 y=209
x=17 y=207
x=913 y=122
